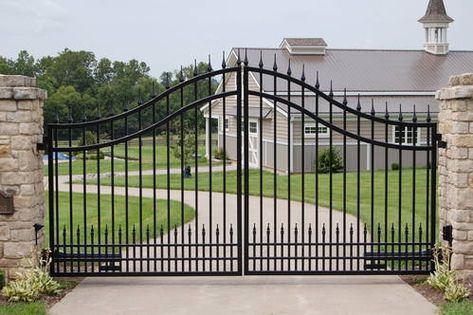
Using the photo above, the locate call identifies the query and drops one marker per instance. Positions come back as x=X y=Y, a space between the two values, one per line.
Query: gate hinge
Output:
x=440 y=143
x=447 y=234
x=42 y=146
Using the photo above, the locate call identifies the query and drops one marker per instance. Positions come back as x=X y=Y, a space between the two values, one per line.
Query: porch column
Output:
x=21 y=171
x=455 y=123
x=208 y=145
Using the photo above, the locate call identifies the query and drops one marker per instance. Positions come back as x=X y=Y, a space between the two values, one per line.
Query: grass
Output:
x=133 y=161
x=461 y=308
x=78 y=224
x=133 y=157
x=34 y=308
x=379 y=210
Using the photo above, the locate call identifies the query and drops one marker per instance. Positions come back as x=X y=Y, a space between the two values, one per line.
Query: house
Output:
x=382 y=79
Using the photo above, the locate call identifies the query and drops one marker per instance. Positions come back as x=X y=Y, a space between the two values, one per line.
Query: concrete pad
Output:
x=245 y=295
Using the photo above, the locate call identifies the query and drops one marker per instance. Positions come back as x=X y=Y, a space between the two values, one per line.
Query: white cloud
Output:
x=38 y=16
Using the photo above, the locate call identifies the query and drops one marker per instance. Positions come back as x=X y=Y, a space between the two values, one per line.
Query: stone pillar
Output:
x=456 y=167
x=21 y=170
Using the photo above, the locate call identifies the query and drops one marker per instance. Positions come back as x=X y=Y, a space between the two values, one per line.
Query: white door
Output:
x=253 y=143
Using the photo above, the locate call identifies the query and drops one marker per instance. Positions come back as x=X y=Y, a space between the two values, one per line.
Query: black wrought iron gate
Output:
x=300 y=181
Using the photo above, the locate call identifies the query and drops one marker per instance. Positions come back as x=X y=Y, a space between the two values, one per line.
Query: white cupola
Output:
x=436 y=23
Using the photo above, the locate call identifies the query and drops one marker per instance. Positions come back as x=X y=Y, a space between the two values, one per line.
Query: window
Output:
x=311 y=130
x=406 y=135
x=253 y=127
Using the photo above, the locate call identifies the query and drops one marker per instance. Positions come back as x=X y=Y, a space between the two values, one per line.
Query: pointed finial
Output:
x=372 y=108
x=69 y=117
x=140 y=97
x=303 y=73
x=386 y=115
x=195 y=68
x=345 y=101
x=125 y=105
x=275 y=66
x=168 y=80
x=84 y=116
x=317 y=83
x=331 y=89
x=209 y=66
x=358 y=106
x=400 y=113
x=153 y=89
x=245 y=62
x=261 y=59
x=56 y=119
x=414 y=115
x=429 y=118
x=289 y=71
x=224 y=63
x=98 y=114
x=181 y=75
x=238 y=58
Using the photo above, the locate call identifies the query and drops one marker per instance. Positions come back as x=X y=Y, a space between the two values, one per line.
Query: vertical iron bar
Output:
x=433 y=191
x=275 y=167
x=246 y=163
x=53 y=239
x=239 y=174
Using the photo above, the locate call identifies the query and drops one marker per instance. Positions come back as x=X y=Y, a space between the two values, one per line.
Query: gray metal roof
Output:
x=436 y=13
x=368 y=70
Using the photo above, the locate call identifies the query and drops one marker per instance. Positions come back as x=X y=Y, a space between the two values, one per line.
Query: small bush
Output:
x=456 y=292
x=394 y=166
x=329 y=160
x=219 y=154
x=442 y=277
x=32 y=283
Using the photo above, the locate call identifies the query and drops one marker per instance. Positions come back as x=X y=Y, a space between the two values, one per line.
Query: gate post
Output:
x=21 y=171
x=455 y=121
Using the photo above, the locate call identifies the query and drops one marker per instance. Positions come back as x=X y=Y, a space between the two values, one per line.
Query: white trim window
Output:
x=406 y=135
x=226 y=123
x=253 y=127
x=311 y=130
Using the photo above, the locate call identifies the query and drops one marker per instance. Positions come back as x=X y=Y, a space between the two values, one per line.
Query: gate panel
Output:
x=133 y=193
x=362 y=199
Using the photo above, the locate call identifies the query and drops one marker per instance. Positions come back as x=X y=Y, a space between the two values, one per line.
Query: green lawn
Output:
x=324 y=191
x=133 y=157
x=462 y=308
x=35 y=308
x=120 y=216
x=133 y=162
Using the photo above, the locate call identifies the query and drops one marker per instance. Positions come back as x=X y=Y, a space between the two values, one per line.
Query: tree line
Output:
x=82 y=87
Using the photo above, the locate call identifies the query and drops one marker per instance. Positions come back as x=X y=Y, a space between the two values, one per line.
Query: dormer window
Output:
x=304 y=46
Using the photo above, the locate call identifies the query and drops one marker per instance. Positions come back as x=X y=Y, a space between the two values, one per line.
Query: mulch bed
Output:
x=431 y=294
x=67 y=283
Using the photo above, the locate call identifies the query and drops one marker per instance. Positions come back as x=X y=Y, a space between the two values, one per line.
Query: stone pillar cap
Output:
x=462 y=79
x=17 y=81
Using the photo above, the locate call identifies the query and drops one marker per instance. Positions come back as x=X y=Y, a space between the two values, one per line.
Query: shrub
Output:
x=220 y=154
x=442 y=277
x=394 y=166
x=32 y=283
x=456 y=292
x=329 y=160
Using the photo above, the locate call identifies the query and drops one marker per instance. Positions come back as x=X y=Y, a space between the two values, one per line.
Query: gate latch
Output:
x=447 y=233
x=42 y=146
x=440 y=143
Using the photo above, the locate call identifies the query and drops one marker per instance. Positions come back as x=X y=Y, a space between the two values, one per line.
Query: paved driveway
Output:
x=245 y=295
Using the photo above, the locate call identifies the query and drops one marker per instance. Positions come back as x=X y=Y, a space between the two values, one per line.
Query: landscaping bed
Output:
x=39 y=307
x=436 y=297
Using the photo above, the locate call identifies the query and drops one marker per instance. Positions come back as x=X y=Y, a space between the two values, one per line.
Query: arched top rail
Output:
x=147 y=104
x=333 y=101
x=147 y=129
x=346 y=132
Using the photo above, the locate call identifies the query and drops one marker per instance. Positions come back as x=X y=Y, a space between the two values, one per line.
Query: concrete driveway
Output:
x=245 y=295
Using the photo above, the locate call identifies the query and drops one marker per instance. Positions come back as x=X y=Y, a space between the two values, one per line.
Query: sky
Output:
x=166 y=34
